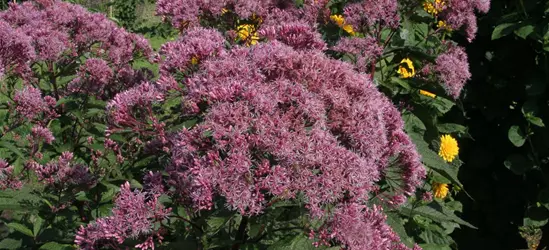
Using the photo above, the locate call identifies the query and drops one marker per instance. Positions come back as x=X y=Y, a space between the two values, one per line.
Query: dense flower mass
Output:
x=59 y=32
x=365 y=50
x=135 y=214
x=452 y=69
x=461 y=13
x=285 y=122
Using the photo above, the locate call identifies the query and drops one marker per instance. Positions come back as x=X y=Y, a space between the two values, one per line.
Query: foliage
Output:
x=270 y=125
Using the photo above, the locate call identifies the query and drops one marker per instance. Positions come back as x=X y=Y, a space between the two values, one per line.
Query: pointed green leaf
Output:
x=20 y=228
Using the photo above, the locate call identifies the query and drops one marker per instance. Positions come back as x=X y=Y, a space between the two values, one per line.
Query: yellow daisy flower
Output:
x=440 y=190
x=448 y=148
x=248 y=33
x=406 y=68
x=427 y=93
x=194 y=60
x=340 y=21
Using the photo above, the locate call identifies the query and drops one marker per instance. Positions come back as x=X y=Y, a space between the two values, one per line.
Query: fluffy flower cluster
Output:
x=280 y=121
x=29 y=104
x=7 y=178
x=184 y=13
x=57 y=32
x=366 y=13
x=136 y=214
x=63 y=173
x=365 y=50
x=461 y=13
x=452 y=69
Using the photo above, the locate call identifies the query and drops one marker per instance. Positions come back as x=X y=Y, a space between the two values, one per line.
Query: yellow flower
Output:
x=440 y=190
x=427 y=93
x=448 y=148
x=248 y=33
x=406 y=68
x=194 y=60
x=340 y=21
x=224 y=11
x=434 y=7
x=443 y=25
x=349 y=29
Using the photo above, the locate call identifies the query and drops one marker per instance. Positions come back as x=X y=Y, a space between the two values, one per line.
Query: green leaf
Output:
x=434 y=247
x=516 y=136
x=536 y=217
x=434 y=237
x=216 y=223
x=12 y=148
x=449 y=128
x=9 y=243
x=535 y=120
x=37 y=225
x=395 y=222
x=503 y=30
x=524 y=31
x=518 y=164
x=20 y=228
x=543 y=197
x=291 y=242
x=434 y=214
x=56 y=246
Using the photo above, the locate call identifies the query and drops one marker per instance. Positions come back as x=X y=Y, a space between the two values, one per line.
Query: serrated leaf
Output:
x=395 y=222
x=516 y=136
x=433 y=237
x=20 y=228
x=12 y=148
x=10 y=243
x=37 y=225
x=56 y=246
x=434 y=214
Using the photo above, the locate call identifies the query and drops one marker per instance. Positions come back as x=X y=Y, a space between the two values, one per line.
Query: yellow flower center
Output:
x=248 y=33
x=448 y=148
x=194 y=60
x=406 y=68
x=440 y=190
x=427 y=93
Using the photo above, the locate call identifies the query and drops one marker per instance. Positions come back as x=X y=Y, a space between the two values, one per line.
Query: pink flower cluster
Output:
x=452 y=69
x=8 y=180
x=366 y=50
x=58 y=33
x=367 y=13
x=136 y=214
x=279 y=121
x=461 y=13
x=63 y=173
x=29 y=104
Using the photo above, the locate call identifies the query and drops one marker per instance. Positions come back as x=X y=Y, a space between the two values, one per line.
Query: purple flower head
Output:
x=7 y=179
x=16 y=51
x=93 y=78
x=323 y=131
x=461 y=13
x=297 y=35
x=135 y=214
x=41 y=134
x=196 y=44
x=64 y=173
x=365 y=50
x=29 y=102
x=121 y=107
x=361 y=227
x=366 y=13
x=452 y=69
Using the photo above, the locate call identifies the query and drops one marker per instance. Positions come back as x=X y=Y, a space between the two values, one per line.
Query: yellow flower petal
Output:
x=427 y=93
x=448 y=148
x=406 y=68
x=440 y=190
